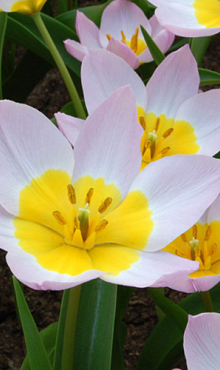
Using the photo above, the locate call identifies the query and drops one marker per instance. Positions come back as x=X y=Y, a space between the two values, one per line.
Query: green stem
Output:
x=70 y=328
x=207 y=300
x=60 y=65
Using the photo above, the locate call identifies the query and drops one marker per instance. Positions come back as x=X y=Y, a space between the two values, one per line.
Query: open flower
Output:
x=201 y=243
x=175 y=118
x=202 y=342
x=64 y=223
x=22 y=6
x=119 y=33
x=189 y=18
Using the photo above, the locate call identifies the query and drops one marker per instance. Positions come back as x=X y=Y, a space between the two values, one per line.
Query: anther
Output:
x=183 y=236
x=208 y=233
x=157 y=124
x=101 y=225
x=194 y=231
x=89 y=196
x=61 y=220
x=71 y=194
x=76 y=223
x=108 y=36
x=134 y=41
x=167 y=133
x=123 y=37
x=142 y=122
x=180 y=254
x=105 y=205
x=213 y=249
x=165 y=150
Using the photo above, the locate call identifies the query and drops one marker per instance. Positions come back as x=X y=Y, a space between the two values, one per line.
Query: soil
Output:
x=48 y=97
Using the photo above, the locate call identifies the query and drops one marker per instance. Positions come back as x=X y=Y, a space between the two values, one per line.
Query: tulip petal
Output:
x=100 y=140
x=76 y=49
x=87 y=31
x=175 y=80
x=29 y=145
x=124 y=52
x=103 y=73
x=69 y=126
x=174 y=187
x=201 y=342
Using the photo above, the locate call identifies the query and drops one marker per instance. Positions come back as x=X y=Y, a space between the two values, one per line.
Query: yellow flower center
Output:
x=164 y=136
x=136 y=44
x=72 y=228
x=207 y=12
x=28 y=6
x=200 y=243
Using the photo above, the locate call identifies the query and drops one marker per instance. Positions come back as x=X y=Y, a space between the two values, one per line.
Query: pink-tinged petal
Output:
x=175 y=80
x=174 y=187
x=201 y=342
x=103 y=73
x=109 y=143
x=7 y=239
x=179 y=17
x=29 y=145
x=199 y=284
x=213 y=213
x=69 y=126
x=156 y=269
x=123 y=51
x=121 y=15
x=87 y=31
x=203 y=113
x=26 y=269
x=75 y=49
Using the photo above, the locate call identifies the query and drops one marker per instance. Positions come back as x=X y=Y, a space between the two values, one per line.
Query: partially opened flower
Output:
x=202 y=342
x=201 y=243
x=175 y=118
x=120 y=33
x=64 y=224
x=22 y=6
x=189 y=18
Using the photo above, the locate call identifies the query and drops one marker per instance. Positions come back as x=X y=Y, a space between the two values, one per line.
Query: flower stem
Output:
x=60 y=65
x=207 y=300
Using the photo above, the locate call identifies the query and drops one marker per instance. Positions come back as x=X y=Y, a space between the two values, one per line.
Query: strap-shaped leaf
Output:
x=208 y=77
x=155 y=51
x=37 y=355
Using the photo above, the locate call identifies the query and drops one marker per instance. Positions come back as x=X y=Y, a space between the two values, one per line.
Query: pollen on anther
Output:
x=105 y=204
x=157 y=124
x=194 y=231
x=142 y=122
x=183 y=236
x=61 y=220
x=123 y=37
x=208 y=233
x=101 y=225
x=134 y=41
x=89 y=196
x=108 y=36
x=71 y=194
x=165 y=150
x=167 y=133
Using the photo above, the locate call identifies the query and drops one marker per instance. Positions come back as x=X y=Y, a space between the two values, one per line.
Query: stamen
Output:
x=76 y=223
x=102 y=224
x=123 y=37
x=168 y=132
x=213 y=249
x=71 y=194
x=208 y=233
x=157 y=124
x=61 y=220
x=183 y=236
x=89 y=196
x=105 y=205
x=108 y=36
x=142 y=122
x=165 y=150
x=194 y=231
x=134 y=41
x=180 y=254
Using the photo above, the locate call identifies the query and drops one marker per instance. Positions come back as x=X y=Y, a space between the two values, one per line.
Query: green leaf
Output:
x=199 y=46
x=94 y=13
x=120 y=329
x=208 y=77
x=36 y=351
x=48 y=336
x=22 y=30
x=95 y=326
x=164 y=346
x=62 y=6
x=155 y=51
x=3 y=23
